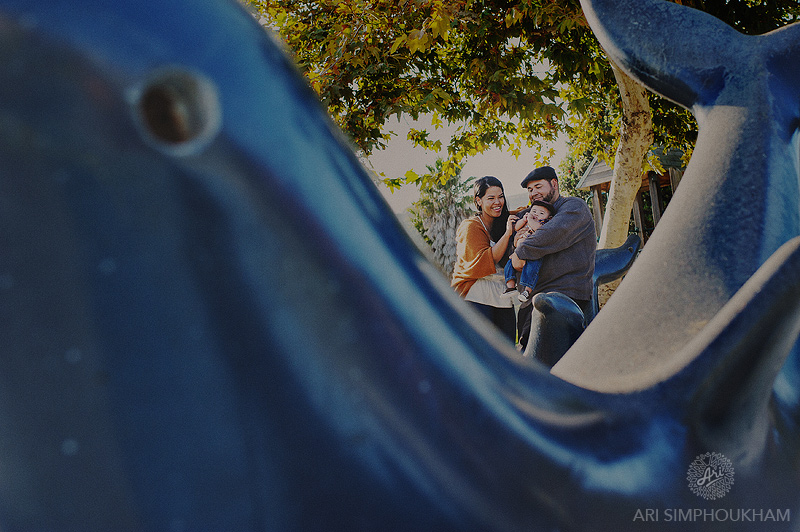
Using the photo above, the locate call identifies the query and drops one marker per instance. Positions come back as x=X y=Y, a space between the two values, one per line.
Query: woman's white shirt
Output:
x=489 y=291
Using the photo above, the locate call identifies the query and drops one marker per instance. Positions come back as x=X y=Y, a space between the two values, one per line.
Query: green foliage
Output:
x=444 y=202
x=595 y=109
x=477 y=63
x=570 y=172
x=752 y=17
x=511 y=73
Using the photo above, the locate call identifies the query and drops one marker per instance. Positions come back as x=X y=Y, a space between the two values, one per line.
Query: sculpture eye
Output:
x=177 y=110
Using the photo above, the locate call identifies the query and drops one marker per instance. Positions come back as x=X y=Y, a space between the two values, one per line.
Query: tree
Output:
x=442 y=206
x=476 y=63
x=636 y=134
x=635 y=139
x=511 y=72
x=748 y=16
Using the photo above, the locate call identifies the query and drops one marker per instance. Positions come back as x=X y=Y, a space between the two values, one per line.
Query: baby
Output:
x=539 y=213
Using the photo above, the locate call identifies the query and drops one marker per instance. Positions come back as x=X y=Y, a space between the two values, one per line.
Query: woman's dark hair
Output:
x=480 y=188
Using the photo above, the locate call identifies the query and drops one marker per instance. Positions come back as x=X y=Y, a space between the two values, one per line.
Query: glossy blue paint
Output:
x=211 y=321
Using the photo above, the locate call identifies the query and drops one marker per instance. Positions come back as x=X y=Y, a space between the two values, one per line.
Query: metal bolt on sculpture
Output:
x=210 y=320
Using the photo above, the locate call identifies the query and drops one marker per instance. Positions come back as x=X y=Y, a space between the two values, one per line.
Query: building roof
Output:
x=599 y=173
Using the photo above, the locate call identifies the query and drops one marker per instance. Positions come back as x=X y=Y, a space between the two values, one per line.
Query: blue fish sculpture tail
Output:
x=739 y=199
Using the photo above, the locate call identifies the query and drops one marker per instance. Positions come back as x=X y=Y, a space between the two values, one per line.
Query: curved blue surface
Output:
x=230 y=331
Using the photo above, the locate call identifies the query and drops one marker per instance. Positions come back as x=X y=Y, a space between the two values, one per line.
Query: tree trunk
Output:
x=636 y=136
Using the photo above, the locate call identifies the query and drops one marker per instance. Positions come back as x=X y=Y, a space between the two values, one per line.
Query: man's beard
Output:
x=549 y=198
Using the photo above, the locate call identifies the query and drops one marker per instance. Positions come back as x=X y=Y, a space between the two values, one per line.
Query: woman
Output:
x=482 y=244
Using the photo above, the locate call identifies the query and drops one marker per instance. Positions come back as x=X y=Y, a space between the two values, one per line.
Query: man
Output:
x=566 y=244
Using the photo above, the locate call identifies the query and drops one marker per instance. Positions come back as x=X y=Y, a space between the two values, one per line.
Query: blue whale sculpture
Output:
x=557 y=321
x=210 y=320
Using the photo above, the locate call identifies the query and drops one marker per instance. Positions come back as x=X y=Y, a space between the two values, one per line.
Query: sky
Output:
x=400 y=156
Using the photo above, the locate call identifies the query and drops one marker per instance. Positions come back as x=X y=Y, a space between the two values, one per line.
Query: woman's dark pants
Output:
x=504 y=318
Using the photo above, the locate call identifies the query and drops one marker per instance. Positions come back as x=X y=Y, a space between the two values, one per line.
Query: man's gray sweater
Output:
x=566 y=244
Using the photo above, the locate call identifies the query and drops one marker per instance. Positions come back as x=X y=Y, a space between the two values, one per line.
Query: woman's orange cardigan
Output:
x=474 y=255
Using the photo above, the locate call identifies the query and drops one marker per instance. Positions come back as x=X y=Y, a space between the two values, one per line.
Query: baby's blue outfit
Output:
x=529 y=274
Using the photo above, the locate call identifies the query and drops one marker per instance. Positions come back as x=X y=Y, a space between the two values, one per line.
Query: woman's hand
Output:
x=510 y=224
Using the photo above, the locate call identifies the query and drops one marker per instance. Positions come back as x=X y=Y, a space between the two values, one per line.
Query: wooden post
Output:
x=674 y=178
x=597 y=209
x=638 y=208
x=655 y=197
